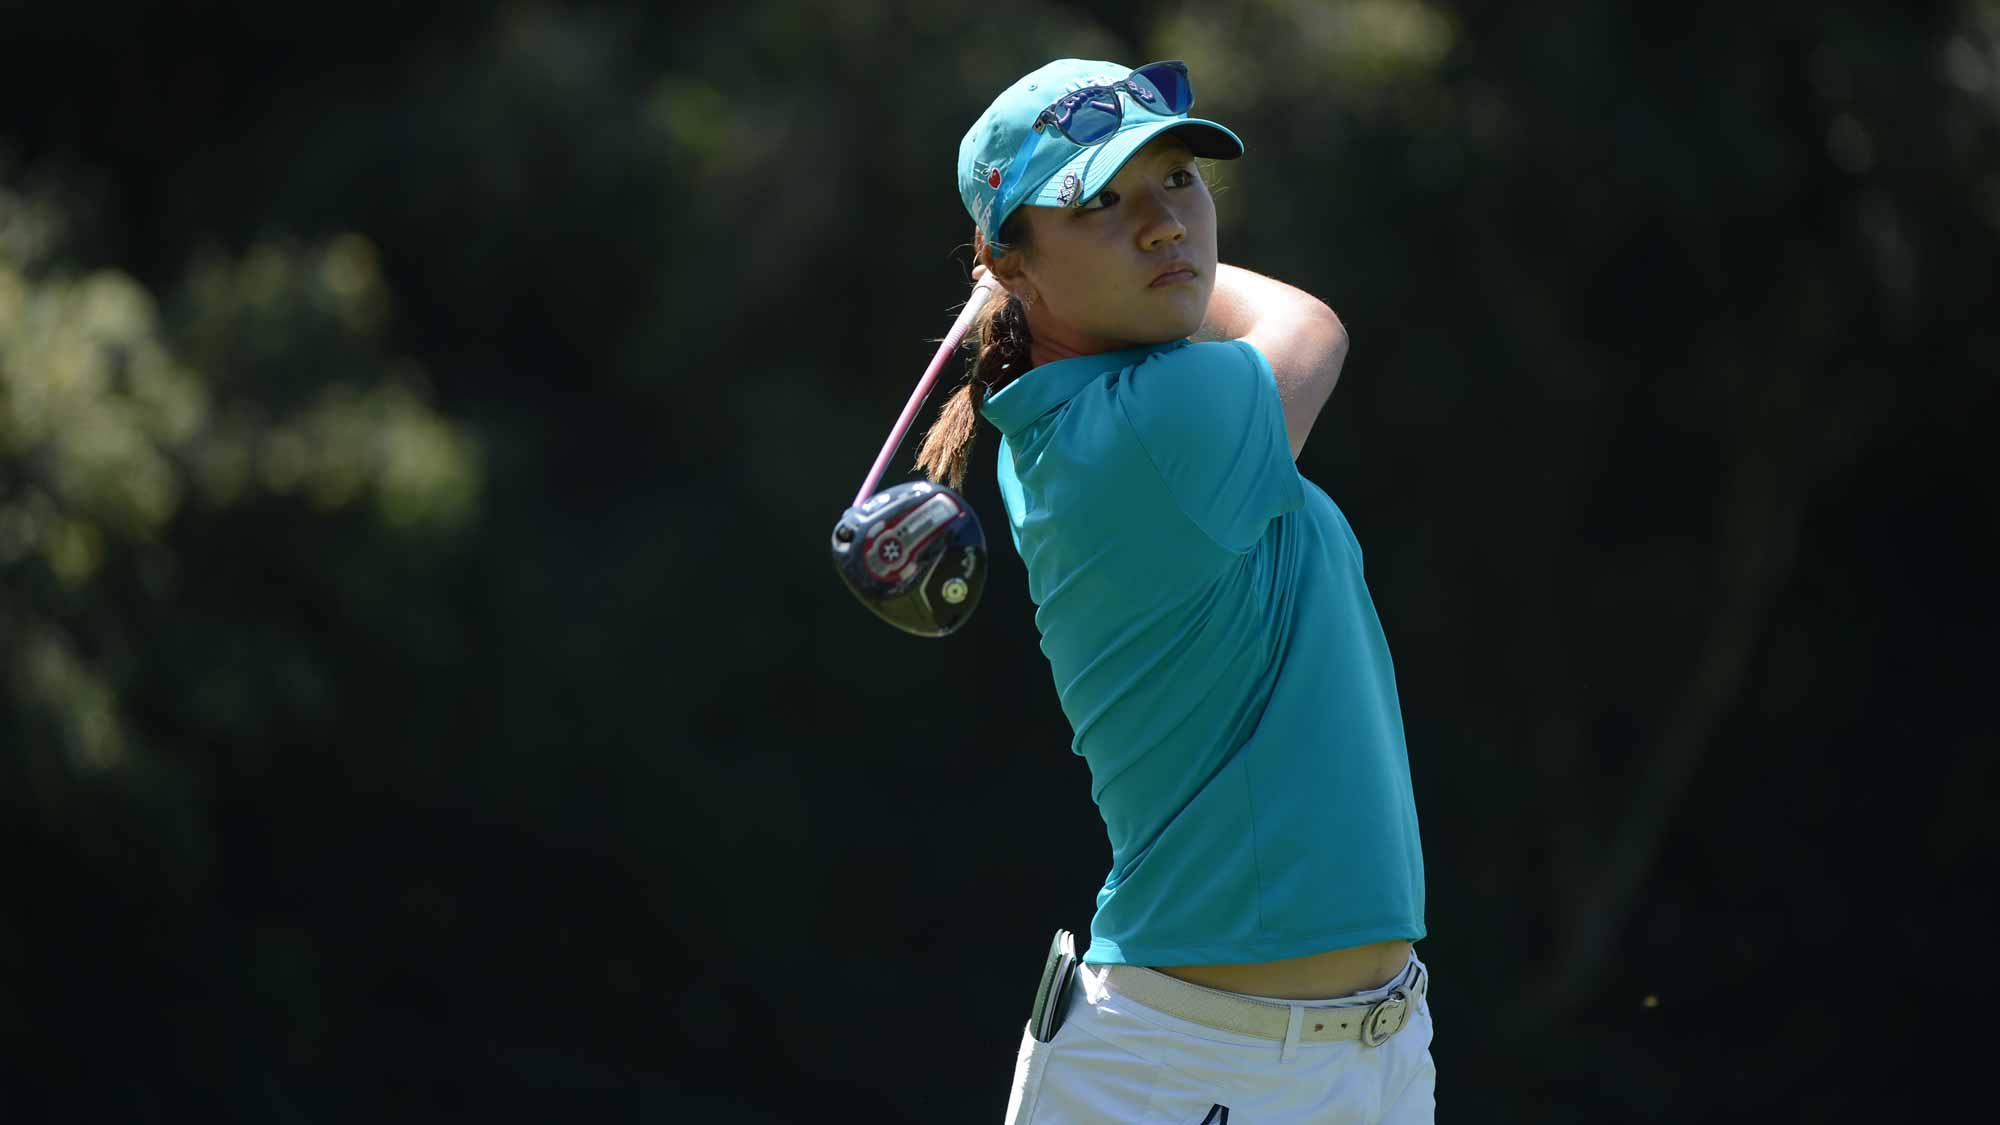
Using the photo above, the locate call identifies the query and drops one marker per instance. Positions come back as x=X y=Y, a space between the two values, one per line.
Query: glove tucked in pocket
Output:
x=1050 y=996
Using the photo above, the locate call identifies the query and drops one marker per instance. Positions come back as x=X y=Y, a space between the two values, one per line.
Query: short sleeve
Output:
x=1209 y=417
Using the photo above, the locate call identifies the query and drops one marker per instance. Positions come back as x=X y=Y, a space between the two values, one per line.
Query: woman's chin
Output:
x=1165 y=329
x=1157 y=326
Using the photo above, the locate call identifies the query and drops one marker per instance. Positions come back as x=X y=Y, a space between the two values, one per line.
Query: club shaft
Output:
x=980 y=294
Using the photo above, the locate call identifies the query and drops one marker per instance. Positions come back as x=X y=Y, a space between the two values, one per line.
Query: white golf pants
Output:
x=1115 y=1060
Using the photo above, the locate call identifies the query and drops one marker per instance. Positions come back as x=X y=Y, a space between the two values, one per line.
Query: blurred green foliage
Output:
x=423 y=691
x=125 y=432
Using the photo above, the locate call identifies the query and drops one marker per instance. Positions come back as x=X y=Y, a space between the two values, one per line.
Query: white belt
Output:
x=1371 y=1023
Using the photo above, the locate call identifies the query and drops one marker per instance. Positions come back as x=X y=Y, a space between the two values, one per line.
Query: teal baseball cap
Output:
x=1018 y=152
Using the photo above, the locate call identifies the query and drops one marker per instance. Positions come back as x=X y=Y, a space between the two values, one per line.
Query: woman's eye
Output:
x=1179 y=177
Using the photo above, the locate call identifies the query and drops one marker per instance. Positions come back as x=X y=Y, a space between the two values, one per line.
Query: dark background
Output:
x=424 y=694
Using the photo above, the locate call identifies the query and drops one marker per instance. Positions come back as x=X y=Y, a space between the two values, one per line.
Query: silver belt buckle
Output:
x=1375 y=1029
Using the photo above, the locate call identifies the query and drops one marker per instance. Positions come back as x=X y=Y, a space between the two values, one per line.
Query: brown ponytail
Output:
x=999 y=341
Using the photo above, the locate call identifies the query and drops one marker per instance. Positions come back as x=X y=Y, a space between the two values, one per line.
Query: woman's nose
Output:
x=1162 y=226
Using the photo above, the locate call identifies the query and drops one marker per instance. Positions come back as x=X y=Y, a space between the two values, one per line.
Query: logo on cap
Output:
x=993 y=179
x=1075 y=84
x=1070 y=186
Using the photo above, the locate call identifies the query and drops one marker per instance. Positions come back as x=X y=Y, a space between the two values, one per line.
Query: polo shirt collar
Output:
x=1042 y=389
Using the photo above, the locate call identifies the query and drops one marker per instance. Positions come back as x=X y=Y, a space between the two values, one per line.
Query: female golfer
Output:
x=1203 y=612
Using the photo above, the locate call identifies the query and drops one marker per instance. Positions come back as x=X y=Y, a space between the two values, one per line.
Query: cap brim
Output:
x=1087 y=172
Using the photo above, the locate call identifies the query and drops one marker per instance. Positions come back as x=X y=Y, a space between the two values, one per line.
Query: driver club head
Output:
x=915 y=554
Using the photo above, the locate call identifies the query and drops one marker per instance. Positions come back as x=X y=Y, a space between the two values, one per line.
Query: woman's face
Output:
x=1134 y=264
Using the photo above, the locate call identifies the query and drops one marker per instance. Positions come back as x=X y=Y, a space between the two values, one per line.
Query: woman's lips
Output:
x=1172 y=277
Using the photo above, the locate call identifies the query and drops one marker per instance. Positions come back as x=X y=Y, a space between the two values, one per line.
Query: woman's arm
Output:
x=1302 y=339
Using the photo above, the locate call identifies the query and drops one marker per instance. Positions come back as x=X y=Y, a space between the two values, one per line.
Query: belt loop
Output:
x=1291 y=1050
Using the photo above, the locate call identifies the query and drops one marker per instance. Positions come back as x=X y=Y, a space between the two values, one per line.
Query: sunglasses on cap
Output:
x=1089 y=115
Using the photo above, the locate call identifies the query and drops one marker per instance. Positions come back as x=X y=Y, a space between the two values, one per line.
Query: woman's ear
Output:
x=1009 y=270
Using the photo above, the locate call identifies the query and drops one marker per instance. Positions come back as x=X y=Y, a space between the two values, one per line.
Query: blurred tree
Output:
x=127 y=437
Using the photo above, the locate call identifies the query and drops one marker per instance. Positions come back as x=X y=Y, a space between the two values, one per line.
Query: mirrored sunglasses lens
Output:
x=1172 y=83
x=1093 y=121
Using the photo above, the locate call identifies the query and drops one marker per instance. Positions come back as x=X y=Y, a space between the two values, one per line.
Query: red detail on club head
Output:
x=993 y=179
x=888 y=551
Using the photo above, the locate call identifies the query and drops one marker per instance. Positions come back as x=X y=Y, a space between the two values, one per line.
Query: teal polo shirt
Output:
x=1218 y=656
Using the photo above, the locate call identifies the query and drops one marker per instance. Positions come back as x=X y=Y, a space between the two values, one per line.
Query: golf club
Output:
x=914 y=553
